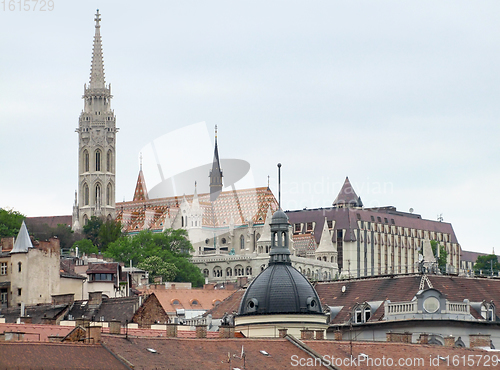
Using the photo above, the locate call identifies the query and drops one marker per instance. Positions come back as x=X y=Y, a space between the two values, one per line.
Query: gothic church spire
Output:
x=97 y=68
x=216 y=173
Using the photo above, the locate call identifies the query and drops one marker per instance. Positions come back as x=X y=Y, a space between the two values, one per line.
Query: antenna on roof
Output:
x=279 y=185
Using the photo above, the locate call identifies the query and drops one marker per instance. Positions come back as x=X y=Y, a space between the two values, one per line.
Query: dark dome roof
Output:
x=280 y=289
x=279 y=217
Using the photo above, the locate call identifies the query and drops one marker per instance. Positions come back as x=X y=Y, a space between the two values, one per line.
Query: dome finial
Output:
x=279 y=185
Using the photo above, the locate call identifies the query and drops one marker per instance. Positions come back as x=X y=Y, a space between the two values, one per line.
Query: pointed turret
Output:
x=141 y=191
x=325 y=243
x=97 y=69
x=347 y=197
x=23 y=241
x=215 y=173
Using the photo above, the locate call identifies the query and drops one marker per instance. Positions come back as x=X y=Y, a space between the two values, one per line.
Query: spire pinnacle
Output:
x=97 y=68
x=216 y=173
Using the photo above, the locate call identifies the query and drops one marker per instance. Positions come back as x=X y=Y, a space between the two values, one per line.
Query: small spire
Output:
x=268 y=182
x=140 y=161
x=216 y=173
x=216 y=133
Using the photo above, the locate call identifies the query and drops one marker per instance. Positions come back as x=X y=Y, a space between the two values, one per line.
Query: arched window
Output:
x=229 y=272
x=85 y=220
x=85 y=194
x=217 y=271
x=86 y=161
x=249 y=270
x=97 y=160
x=109 y=192
x=362 y=313
x=109 y=161
x=98 y=196
x=242 y=242
x=205 y=272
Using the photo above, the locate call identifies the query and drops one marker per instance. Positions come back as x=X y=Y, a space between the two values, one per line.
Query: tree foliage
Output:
x=102 y=232
x=488 y=264
x=171 y=246
x=158 y=267
x=10 y=222
x=85 y=246
x=442 y=257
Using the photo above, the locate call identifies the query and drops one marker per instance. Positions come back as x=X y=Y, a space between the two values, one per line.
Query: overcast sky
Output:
x=401 y=96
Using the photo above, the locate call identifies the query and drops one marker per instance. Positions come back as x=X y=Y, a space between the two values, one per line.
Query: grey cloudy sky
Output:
x=401 y=96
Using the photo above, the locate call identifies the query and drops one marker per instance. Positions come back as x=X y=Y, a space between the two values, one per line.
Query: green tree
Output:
x=10 y=222
x=443 y=255
x=92 y=228
x=85 y=246
x=158 y=267
x=109 y=232
x=488 y=264
x=171 y=246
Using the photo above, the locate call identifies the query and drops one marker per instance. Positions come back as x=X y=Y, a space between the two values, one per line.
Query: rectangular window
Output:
x=4 y=297
x=309 y=226
x=19 y=291
x=297 y=228
x=330 y=224
x=3 y=268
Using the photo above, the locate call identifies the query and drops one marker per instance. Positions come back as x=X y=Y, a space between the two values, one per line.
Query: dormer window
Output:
x=362 y=313
x=488 y=311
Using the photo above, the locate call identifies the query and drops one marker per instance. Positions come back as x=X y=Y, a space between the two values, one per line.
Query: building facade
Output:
x=373 y=241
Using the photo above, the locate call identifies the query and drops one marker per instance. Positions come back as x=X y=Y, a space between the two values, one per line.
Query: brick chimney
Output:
x=306 y=334
x=449 y=341
x=95 y=299
x=282 y=332
x=337 y=335
x=171 y=330
x=115 y=327
x=424 y=338
x=479 y=340
x=201 y=331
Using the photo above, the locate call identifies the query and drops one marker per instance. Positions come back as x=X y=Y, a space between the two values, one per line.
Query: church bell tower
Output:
x=96 y=144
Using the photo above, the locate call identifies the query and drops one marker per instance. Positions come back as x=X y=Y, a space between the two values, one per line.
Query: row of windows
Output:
x=97 y=161
x=101 y=277
x=237 y=271
x=97 y=194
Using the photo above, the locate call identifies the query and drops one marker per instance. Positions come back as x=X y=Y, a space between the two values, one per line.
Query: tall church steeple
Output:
x=96 y=142
x=215 y=174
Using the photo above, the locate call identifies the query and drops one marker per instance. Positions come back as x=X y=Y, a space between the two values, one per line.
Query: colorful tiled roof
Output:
x=238 y=207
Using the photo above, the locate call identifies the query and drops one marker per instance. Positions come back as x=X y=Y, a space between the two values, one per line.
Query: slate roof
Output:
x=121 y=309
x=347 y=218
x=403 y=288
x=100 y=268
x=23 y=241
x=177 y=353
x=37 y=313
x=19 y=355
x=347 y=195
x=231 y=206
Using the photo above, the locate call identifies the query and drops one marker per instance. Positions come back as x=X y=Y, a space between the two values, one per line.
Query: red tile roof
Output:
x=413 y=356
x=190 y=299
x=176 y=353
x=36 y=332
x=19 y=355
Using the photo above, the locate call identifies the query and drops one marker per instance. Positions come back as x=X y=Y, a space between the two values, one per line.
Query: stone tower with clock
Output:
x=96 y=145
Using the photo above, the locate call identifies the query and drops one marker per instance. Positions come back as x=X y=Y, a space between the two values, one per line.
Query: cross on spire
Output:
x=97 y=19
